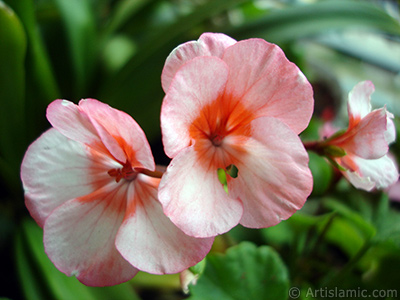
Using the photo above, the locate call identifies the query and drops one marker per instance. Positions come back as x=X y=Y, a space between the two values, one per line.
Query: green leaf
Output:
x=80 y=26
x=244 y=272
x=348 y=230
x=41 y=85
x=124 y=10
x=41 y=280
x=322 y=173
x=38 y=60
x=12 y=83
x=300 y=21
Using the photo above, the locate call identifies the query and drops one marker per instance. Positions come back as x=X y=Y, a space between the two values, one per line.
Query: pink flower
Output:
x=365 y=142
x=233 y=103
x=85 y=183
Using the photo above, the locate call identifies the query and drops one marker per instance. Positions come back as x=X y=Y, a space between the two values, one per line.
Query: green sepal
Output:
x=336 y=165
x=334 y=151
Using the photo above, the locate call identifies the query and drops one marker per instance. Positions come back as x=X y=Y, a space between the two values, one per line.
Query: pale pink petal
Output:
x=149 y=240
x=379 y=173
x=359 y=104
x=56 y=169
x=209 y=44
x=198 y=83
x=268 y=84
x=390 y=133
x=367 y=139
x=194 y=199
x=71 y=121
x=119 y=132
x=79 y=238
x=274 y=180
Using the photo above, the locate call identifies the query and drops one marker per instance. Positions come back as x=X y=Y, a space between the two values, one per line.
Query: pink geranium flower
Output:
x=365 y=143
x=85 y=183
x=233 y=103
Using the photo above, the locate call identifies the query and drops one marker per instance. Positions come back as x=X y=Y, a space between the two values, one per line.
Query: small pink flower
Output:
x=366 y=142
x=85 y=183
x=233 y=103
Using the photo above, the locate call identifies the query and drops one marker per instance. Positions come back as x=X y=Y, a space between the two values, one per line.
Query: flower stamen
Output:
x=126 y=172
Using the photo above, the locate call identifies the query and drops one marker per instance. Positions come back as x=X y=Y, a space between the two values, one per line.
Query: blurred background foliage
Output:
x=114 y=50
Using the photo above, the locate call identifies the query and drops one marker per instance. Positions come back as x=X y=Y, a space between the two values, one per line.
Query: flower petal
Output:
x=149 y=240
x=372 y=173
x=56 y=169
x=79 y=238
x=194 y=199
x=119 y=131
x=359 y=104
x=103 y=128
x=368 y=138
x=209 y=44
x=71 y=121
x=274 y=179
x=390 y=133
x=268 y=84
x=199 y=82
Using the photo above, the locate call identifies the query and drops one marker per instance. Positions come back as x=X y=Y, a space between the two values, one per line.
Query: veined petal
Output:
x=79 y=238
x=120 y=133
x=359 y=104
x=274 y=179
x=56 y=169
x=194 y=199
x=268 y=84
x=149 y=240
x=198 y=83
x=209 y=44
x=367 y=139
x=71 y=121
x=373 y=173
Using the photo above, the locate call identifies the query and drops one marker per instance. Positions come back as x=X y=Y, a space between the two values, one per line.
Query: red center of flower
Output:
x=126 y=172
x=217 y=140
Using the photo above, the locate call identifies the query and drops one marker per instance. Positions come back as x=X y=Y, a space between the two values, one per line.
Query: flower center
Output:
x=126 y=172
x=217 y=140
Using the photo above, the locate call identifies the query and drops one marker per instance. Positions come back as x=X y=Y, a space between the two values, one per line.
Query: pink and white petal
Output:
x=359 y=103
x=120 y=133
x=79 y=238
x=198 y=83
x=194 y=199
x=56 y=169
x=390 y=133
x=69 y=119
x=368 y=138
x=268 y=84
x=359 y=182
x=149 y=240
x=274 y=179
x=380 y=172
x=209 y=44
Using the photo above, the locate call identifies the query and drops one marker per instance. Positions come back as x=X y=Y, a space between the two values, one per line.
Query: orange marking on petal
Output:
x=225 y=119
x=114 y=199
